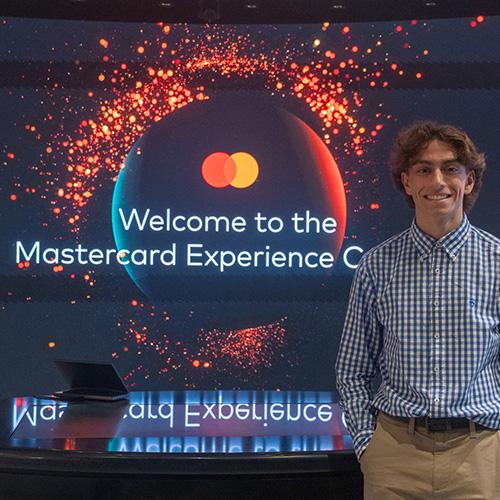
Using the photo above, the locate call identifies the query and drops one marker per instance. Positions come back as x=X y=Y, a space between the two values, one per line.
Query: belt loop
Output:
x=411 y=426
x=472 y=429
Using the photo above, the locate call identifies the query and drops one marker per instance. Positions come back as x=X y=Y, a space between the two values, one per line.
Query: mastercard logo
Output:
x=239 y=170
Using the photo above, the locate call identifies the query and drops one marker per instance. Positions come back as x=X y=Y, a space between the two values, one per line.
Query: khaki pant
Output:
x=452 y=465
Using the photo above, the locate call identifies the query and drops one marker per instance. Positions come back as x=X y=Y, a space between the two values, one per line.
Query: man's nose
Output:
x=437 y=177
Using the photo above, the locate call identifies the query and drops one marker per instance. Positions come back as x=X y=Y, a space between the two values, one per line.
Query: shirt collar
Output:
x=451 y=242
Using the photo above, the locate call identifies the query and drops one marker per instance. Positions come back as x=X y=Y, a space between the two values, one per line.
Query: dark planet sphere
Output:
x=224 y=199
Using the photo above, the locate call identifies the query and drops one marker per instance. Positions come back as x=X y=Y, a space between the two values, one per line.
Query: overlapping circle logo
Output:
x=204 y=163
x=239 y=170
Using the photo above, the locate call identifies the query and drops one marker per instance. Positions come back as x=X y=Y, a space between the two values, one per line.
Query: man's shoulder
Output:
x=386 y=249
x=486 y=238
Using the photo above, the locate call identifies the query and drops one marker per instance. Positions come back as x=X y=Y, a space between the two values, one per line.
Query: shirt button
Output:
x=436 y=336
x=436 y=369
x=437 y=270
x=436 y=400
x=436 y=302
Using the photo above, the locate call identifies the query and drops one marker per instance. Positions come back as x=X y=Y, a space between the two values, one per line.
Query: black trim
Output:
x=105 y=465
x=248 y=11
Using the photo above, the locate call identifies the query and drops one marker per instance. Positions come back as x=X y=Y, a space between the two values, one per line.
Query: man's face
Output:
x=437 y=182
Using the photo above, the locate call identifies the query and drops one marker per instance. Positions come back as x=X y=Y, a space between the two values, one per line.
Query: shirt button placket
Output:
x=436 y=279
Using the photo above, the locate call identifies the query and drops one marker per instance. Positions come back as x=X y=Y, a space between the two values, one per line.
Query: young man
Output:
x=424 y=312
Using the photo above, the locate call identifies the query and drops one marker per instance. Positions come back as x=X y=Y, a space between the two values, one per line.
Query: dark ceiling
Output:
x=248 y=11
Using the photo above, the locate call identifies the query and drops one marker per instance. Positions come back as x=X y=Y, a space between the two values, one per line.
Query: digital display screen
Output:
x=191 y=201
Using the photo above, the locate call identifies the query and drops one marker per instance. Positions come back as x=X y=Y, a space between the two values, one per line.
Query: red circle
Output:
x=218 y=170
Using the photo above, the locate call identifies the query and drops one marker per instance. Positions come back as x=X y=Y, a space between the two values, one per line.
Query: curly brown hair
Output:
x=416 y=137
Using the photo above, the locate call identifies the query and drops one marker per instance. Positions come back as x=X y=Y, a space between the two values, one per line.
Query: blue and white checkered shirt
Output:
x=425 y=313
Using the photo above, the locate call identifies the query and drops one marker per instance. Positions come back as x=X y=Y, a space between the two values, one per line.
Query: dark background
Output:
x=460 y=85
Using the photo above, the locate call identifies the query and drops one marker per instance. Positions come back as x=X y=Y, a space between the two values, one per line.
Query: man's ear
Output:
x=406 y=184
x=471 y=181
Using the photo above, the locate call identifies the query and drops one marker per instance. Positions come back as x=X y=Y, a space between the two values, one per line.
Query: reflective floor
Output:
x=180 y=422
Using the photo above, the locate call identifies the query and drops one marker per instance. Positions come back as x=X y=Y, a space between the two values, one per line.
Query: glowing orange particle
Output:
x=399 y=28
x=374 y=206
x=13 y=197
x=196 y=363
x=101 y=77
x=51 y=344
x=10 y=155
x=140 y=49
x=346 y=30
x=104 y=43
x=206 y=364
x=419 y=75
x=134 y=303
x=480 y=19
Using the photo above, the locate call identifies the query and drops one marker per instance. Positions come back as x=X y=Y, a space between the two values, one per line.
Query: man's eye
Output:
x=452 y=169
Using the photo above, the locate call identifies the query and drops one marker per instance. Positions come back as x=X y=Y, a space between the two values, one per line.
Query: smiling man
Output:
x=424 y=313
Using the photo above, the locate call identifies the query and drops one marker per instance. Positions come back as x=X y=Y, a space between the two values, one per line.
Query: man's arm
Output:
x=357 y=359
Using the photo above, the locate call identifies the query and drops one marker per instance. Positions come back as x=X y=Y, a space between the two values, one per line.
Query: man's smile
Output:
x=437 y=197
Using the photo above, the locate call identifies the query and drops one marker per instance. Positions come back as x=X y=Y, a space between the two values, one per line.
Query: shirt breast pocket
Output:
x=474 y=318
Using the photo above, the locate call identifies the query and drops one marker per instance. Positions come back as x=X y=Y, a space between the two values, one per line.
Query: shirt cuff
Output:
x=361 y=441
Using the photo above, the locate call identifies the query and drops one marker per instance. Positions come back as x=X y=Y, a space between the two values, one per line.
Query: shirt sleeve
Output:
x=357 y=359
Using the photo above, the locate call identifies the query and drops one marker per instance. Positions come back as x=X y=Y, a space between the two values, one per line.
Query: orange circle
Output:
x=218 y=170
x=247 y=170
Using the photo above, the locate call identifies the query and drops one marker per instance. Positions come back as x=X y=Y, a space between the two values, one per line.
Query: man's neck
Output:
x=437 y=228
